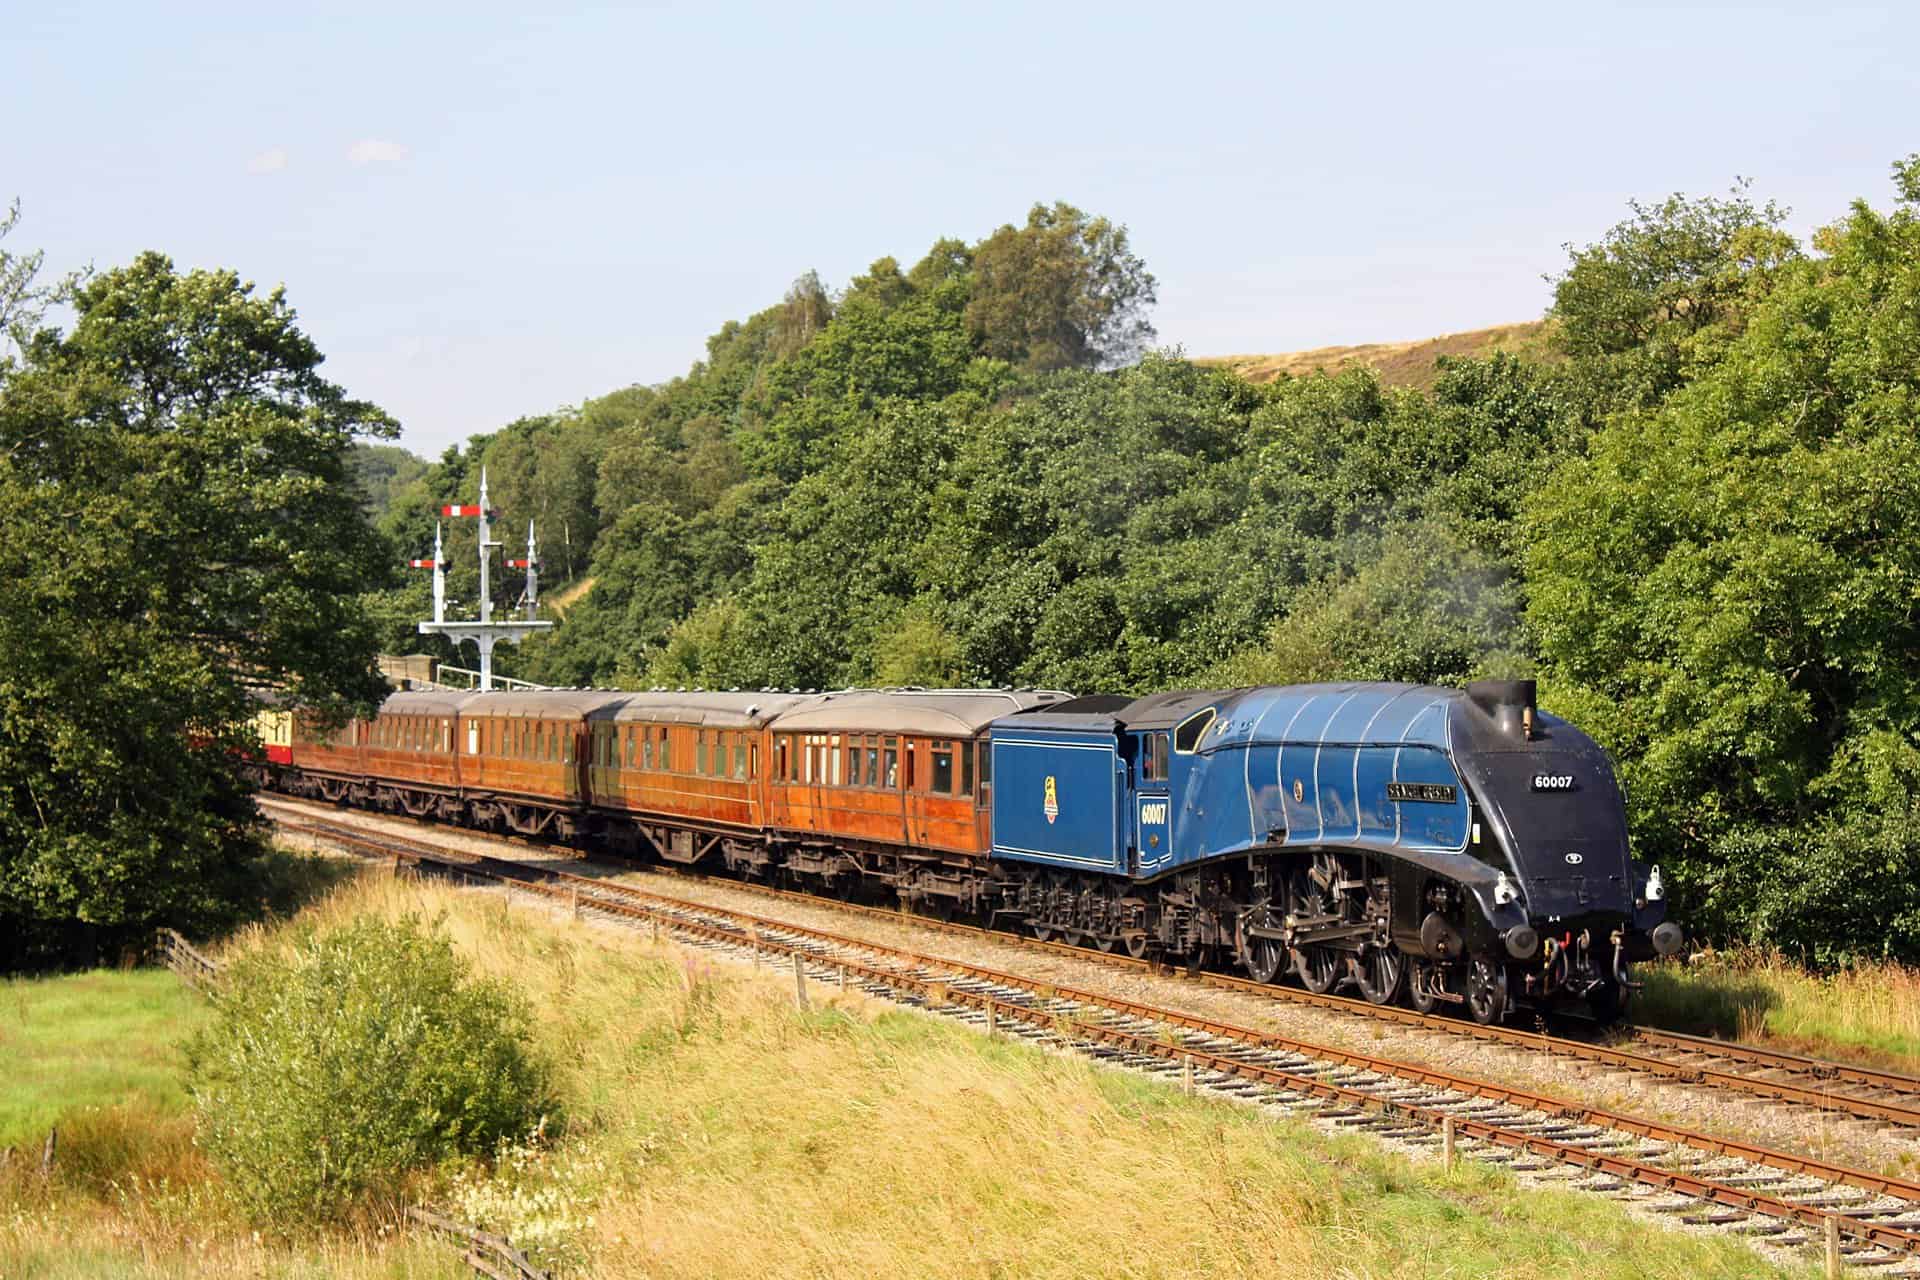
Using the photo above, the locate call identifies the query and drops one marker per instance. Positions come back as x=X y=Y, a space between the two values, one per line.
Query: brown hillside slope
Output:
x=1399 y=364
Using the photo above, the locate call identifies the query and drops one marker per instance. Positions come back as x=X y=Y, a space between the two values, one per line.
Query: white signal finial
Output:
x=439 y=577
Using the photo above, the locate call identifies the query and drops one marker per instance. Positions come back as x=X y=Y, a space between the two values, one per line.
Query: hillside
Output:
x=1399 y=364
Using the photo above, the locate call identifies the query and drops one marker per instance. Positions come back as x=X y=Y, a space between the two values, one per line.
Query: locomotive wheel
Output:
x=1318 y=967
x=1139 y=945
x=1422 y=979
x=1380 y=975
x=1073 y=937
x=1264 y=959
x=1042 y=932
x=1486 y=991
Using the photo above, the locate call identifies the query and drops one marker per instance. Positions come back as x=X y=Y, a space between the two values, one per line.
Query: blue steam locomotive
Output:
x=1437 y=845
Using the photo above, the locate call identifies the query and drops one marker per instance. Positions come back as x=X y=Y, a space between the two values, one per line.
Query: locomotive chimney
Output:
x=1508 y=703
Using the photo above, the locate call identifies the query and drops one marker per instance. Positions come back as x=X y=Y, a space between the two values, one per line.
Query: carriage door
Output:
x=1152 y=803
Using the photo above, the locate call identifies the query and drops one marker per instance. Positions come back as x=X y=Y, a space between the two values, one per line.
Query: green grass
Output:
x=1866 y=1012
x=91 y=1041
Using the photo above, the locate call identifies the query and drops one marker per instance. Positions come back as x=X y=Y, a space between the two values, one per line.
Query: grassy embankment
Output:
x=714 y=1130
x=1868 y=1012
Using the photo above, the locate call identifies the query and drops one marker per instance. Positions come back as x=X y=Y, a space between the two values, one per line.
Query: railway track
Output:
x=1880 y=1099
x=1871 y=1219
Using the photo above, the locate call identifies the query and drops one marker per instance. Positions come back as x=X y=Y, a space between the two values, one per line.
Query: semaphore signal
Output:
x=484 y=633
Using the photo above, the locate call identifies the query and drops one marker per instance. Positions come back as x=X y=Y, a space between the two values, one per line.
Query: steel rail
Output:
x=731 y=927
x=1775 y=1059
x=1821 y=1099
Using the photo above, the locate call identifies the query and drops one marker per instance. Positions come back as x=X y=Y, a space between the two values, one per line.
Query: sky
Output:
x=482 y=213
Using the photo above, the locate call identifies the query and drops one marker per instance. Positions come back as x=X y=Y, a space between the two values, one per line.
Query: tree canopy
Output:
x=176 y=469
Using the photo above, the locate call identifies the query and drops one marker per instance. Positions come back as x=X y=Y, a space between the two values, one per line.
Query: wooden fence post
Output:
x=1447 y=1151
x=576 y=902
x=993 y=1021
x=799 y=983
x=1833 y=1246
x=1186 y=1073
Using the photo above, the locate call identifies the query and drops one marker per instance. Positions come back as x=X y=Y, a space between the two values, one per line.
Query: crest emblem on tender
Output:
x=1051 y=806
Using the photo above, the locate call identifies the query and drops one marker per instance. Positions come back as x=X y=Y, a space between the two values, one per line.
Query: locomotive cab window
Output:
x=1153 y=758
x=1186 y=739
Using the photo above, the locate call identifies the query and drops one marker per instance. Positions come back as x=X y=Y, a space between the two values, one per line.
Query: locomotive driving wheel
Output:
x=1318 y=968
x=1380 y=973
x=1264 y=957
x=1314 y=896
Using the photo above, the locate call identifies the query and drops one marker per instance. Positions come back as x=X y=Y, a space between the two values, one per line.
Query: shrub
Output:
x=339 y=1061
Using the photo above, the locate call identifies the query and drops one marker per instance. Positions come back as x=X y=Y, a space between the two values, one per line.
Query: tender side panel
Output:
x=1059 y=799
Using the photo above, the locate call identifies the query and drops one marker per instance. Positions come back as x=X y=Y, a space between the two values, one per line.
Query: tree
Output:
x=1633 y=303
x=179 y=469
x=23 y=299
x=1063 y=292
x=1723 y=588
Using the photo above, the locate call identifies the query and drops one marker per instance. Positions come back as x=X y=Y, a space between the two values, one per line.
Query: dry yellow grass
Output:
x=713 y=1130
x=1398 y=364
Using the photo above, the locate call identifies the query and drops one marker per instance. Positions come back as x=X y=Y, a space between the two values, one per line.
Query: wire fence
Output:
x=489 y=1255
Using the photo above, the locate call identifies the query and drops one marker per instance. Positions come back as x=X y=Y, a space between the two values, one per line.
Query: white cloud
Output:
x=272 y=160
x=376 y=151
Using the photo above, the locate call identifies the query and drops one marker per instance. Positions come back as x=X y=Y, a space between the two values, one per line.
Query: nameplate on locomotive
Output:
x=1429 y=792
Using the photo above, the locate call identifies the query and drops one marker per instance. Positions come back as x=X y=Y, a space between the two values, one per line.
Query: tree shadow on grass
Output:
x=1703 y=1001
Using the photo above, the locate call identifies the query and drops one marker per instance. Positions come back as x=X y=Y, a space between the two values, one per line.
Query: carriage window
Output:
x=666 y=755
x=966 y=768
x=833 y=753
x=986 y=771
x=941 y=783
x=739 y=759
x=753 y=760
x=890 y=757
x=700 y=751
x=1153 y=758
x=908 y=778
x=446 y=735
x=566 y=745
x=873 y=764
x=1186 y=739
x=780 y=758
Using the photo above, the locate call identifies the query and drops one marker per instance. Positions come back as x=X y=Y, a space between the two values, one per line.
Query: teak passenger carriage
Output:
x=1433 y=845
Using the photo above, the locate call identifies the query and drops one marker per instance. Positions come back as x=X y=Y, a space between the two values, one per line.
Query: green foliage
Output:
x=1723 y=588
x=1063 y=292
x=338 y=1062
x=1633 y=307
x=176 y=471
x=383 y=472
x=1426 y=609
